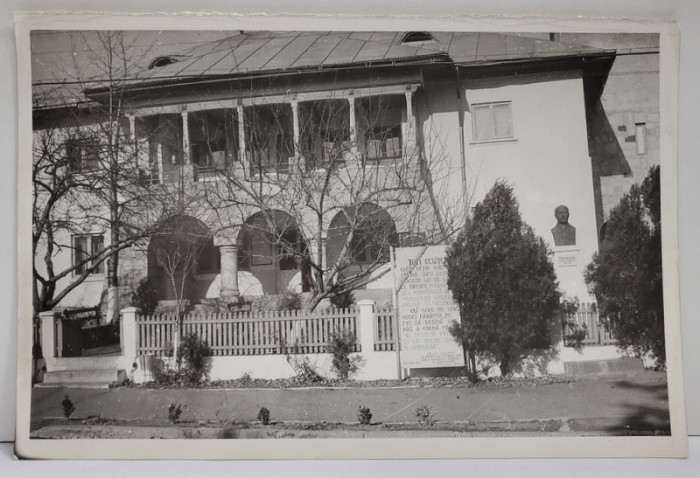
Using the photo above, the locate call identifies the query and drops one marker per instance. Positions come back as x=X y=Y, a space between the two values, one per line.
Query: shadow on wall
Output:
x=607 y=156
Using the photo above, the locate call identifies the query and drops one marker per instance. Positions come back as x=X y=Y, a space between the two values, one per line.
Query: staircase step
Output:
x=604 y=367
x=92 y=385
x=97 y=362
x=85 y=376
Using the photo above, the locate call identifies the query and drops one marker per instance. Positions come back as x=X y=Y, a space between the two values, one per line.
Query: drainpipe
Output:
x=462 y=153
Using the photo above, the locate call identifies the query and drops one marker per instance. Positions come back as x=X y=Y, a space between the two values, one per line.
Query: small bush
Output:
x=174 y=412
x=574 y=334
x=246 y=380
x=193 y=352
x=264 y=416
x=364 y=416
x=425 y=415
x=343 y=344
x=68 y=407
x=145 y=297
x=192 y=368
x=304 y=371
x=288 y=301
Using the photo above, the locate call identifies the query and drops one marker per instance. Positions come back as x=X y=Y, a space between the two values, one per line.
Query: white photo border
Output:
x=675 y=445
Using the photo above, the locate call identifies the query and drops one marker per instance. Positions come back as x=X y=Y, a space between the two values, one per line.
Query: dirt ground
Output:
x=634 y=404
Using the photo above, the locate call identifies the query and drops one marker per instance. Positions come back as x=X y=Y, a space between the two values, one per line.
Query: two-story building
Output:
x=338 y=145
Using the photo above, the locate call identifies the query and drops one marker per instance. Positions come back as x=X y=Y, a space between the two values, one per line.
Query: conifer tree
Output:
x=626 y=274
x=501 y=276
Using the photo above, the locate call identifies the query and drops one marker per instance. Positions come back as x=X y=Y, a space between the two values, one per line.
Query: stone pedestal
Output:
x=570 y=265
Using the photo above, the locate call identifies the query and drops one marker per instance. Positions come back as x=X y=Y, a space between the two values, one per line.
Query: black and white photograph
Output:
x=290 y=240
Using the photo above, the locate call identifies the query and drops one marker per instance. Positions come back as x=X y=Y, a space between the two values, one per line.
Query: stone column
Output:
x=229 y=272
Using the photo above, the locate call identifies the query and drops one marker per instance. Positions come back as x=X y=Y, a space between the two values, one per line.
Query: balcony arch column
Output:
x=228 y=251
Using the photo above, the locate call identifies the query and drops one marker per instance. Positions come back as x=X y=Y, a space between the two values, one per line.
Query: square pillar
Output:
x=353 y=128
x=366 y=325
x=185 y=138
x=298 y=158
x=50 y=333
x=128 y=337
x=229 y=273
x=410 y=138
x=241 y=134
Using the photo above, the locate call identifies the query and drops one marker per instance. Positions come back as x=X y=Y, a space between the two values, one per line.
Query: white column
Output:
x=241 y=134
x=298 y=160
x=366 y=325
x=49 y=334
x=128 y=337
x=229 y=273
x=353 y=127
x=134 y=140
x=185 y=138
x=410 y=139
x=132 y=126
x=324 y=252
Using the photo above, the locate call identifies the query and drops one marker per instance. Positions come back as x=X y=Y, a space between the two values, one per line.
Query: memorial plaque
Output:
x=567 y=260
x=426 y=309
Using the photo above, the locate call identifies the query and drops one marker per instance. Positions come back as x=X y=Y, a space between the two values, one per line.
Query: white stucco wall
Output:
x=546 y=162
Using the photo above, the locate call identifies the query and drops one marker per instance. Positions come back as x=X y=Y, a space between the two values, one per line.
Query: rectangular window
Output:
x=492 y=121
x=379 y=122
x=269 y=137
x=83 y=155
x=213 y=141
x=383 y=143
x=324 y=130
x=85 y=247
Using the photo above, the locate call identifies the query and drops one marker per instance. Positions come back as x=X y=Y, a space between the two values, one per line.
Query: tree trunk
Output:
x=113 y=268
x=505 y=366
x=472 y=364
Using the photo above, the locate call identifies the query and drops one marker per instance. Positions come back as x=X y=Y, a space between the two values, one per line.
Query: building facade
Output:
x=298 y=159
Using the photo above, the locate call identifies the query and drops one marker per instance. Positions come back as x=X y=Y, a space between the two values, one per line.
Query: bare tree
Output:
x=88 y=176
x=332 y=199
x=177 y=248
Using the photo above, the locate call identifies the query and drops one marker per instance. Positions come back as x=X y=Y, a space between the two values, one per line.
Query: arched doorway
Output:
x=182 y=260
x=272 y=249
x=373 y=233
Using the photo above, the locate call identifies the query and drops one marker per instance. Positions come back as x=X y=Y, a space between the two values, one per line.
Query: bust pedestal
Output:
x=570 y=265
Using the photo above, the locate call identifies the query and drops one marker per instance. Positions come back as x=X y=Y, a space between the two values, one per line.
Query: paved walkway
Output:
x=608 y=403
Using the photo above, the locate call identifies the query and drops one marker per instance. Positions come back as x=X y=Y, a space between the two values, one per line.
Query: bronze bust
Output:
x=564 y=233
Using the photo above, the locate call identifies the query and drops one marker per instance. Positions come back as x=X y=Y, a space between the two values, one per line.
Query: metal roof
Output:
x=232 y=54
x=260 y=52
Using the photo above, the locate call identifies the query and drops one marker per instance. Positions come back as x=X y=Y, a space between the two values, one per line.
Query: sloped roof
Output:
x=264 y=52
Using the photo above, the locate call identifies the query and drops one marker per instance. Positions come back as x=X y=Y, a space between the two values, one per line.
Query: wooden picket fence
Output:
x=385 y=329
x=587 y=320
x=248 y=333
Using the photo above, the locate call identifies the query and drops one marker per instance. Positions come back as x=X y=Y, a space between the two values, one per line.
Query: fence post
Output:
x=48 y=334
x=366 y=325
x=127 y=335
